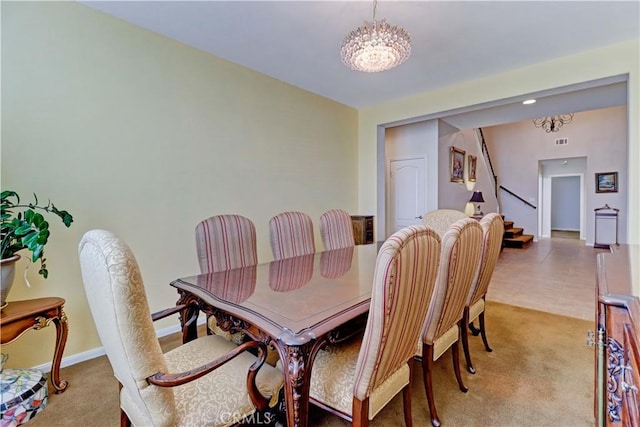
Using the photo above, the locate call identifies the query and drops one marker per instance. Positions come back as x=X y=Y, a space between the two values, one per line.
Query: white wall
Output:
x=136 y=133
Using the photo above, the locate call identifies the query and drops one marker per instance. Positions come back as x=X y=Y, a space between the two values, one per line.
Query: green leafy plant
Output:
x=24 y=227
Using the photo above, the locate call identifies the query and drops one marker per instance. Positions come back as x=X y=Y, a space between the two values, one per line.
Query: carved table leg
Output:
x=188 y=316
x=297 y=361
x=61 y=339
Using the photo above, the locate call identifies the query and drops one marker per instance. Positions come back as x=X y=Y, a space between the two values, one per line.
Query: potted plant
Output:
x=23 y=226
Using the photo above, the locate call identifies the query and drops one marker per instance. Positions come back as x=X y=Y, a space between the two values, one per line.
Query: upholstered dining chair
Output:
x=441 y=219
x=207 y=381
x=356 y=379
x=225 y=242
x=492 y=231
x=336 y=229
x=291 y=234
x=459 y=261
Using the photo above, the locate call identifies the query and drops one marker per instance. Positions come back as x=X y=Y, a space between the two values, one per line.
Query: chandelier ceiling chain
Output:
x=553 y=123
x=376 y=46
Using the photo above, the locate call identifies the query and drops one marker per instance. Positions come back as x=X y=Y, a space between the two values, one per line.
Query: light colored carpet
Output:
x=539 y=374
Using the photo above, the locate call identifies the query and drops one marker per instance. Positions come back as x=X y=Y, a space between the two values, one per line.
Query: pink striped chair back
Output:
x=492 y=232
x=405 y=273
x=336 y=229
x=459 y=262
x=291 y=234
x=224 y=242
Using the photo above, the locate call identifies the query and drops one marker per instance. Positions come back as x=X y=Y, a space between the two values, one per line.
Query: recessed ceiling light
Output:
x=529 y=101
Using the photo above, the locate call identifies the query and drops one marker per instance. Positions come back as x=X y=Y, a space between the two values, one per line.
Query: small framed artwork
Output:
x=472 y=167
x=456 y=157
x=607 y=182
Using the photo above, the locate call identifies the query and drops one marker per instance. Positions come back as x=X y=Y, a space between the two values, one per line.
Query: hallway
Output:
x=555 y=275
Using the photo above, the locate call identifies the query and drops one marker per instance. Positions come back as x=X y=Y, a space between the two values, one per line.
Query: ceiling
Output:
x=298 y=42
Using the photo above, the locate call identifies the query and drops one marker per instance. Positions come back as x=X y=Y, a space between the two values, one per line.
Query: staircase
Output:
x=513 y=237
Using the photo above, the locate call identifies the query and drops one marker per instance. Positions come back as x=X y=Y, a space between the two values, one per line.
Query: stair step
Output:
x=508 y=224
x=518 y=242
x=513 y=232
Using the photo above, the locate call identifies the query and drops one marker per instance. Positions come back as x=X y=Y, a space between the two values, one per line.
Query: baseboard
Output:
x=97 y=352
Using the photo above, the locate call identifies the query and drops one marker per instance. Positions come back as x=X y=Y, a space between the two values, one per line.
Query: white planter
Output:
x=8 y=270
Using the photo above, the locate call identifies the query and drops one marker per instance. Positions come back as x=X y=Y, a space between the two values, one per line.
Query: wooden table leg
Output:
x=297 y=362
x=61 y=340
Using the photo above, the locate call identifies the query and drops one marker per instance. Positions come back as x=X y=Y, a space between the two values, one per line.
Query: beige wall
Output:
x=619 y=59
x=144 y=136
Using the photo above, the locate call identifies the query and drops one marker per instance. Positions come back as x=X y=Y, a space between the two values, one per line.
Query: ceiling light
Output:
x=529 y=101
x=377 y=46
x=553 y=123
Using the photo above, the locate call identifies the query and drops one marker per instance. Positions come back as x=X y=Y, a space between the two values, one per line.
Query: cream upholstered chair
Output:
x=492 y=232
x=441 y=219
x=356 y=379
x=291 y=234
x=336 y=229
x=207 y=381
x=459 y=261
x=225 y=242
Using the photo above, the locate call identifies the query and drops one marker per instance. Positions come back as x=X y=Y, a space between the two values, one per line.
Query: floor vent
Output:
x=562 y=141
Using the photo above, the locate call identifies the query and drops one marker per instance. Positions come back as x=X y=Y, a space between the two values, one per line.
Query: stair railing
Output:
x=485 y=152
x=517 y=197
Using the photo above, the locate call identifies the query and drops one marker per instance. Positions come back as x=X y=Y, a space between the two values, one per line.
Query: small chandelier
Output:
x=553 y=123
x=377 y=46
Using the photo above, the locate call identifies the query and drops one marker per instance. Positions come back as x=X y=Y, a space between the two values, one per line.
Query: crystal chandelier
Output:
x=377 y=46
x=553 y=123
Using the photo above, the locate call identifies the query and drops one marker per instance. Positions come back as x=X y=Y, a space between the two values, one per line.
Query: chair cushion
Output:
x=475 y=309
x=333 y=374
x=219 y=398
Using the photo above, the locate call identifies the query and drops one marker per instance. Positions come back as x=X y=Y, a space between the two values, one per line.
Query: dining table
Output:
x=296 y=305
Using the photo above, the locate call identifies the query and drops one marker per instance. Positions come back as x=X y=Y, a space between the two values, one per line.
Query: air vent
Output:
x=562 y=141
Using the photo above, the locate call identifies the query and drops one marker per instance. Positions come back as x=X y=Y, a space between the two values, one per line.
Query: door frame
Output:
x=544 y=215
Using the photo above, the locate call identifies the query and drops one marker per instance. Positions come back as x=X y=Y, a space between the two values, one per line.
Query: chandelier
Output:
x=377 y=46
x=553 y=123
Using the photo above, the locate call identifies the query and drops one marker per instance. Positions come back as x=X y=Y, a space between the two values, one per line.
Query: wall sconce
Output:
x=477 y=198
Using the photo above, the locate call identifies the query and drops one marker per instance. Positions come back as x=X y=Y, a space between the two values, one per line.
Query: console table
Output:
x=618 y=350
x=20 y=316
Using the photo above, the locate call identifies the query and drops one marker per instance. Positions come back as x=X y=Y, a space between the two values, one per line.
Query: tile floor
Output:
x=555 y=275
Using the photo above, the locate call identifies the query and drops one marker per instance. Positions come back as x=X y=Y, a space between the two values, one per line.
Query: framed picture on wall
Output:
x=456 y=157
x=472 y=167
x=607 y=182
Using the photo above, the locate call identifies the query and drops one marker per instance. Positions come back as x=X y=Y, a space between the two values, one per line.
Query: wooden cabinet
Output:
x=362 y=229
x=618 y=347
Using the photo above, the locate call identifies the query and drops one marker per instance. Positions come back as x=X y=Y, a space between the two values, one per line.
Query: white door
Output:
x=407 y=192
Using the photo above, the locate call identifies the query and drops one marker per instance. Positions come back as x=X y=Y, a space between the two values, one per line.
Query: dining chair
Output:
x=206 y=381
x=225 y=242
x=459 y=260
x=441 y=219
x=291 y=234
x=492 y=231
x=357 y=378
x=336 y=229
